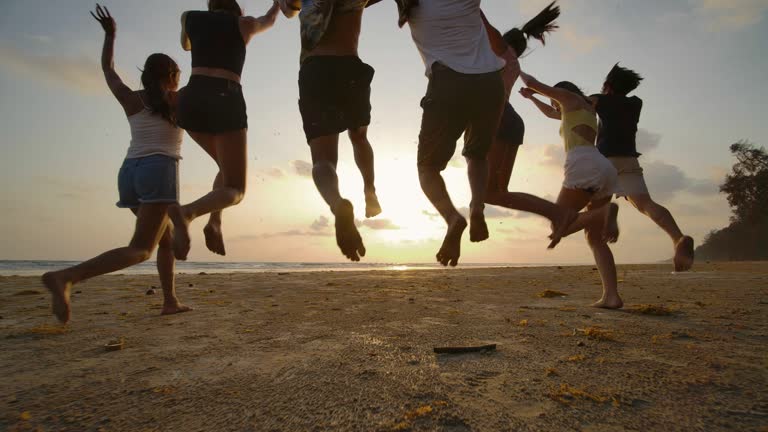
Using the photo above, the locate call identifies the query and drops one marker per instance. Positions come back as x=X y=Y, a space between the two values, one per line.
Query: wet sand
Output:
x=352 y=351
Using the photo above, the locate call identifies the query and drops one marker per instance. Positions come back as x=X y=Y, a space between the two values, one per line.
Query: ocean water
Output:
x=37 y=268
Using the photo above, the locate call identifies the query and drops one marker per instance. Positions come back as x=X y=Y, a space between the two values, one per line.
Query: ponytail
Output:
x=536 y=28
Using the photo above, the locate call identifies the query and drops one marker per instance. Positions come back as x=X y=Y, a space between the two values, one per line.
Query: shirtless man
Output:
x=465 y=96
x=619 y=116
x=334 y=96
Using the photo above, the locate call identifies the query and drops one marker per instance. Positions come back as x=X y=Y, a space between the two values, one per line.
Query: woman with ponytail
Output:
x=148 y=178
x=212 y=110
x=501 y=158
x=590 y=179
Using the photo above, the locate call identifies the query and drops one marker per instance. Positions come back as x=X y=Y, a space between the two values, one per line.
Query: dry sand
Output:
x=353 y=352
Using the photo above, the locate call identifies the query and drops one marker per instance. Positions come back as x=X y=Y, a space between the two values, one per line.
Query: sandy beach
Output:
x=353 y=351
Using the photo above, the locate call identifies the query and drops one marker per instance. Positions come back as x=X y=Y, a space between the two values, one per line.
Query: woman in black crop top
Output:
x=212 y=110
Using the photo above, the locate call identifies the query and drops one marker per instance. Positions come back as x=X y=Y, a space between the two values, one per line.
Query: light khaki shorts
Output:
x=631 y=181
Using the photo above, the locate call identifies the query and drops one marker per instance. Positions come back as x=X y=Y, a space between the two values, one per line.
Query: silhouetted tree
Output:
x=746 y=238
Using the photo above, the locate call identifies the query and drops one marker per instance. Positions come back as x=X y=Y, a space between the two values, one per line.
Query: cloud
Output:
x=275 y=172
x=730 y=15
x=379 y=224
x=82 y=74
x=647 y=140
x=665 y=180
x=554 y=156
x=302 y=168
x=320 y=224
x=581 y=43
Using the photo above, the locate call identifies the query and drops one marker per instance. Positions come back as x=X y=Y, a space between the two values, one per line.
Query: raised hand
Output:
x=527 y=93
x=105 y=19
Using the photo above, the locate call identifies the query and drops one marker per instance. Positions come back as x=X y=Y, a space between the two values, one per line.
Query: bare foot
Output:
x=560 y=226
x=609 y=303
x=347 y=237
x=214 y=240
x=684 y=254
x=611 y=224
x=59 y=289
x=174 y=308
x=372 y=206
x=181 y=240
x=478 y=229
x=450 y=251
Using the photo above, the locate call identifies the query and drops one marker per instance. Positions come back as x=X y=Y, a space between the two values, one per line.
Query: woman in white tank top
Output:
x=148 y=178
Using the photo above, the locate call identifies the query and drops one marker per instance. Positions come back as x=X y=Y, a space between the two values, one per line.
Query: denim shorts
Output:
x=148 y=179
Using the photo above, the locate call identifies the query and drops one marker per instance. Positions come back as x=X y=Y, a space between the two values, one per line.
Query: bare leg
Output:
x=150 y=225
x=364 y=160
x=434 y=188
x=325 y=155
x=477 y=171
x=231 y=153
x=682 y=244
x=576 y=200
x=501 y=160
x=214 y=239
x=166 y=264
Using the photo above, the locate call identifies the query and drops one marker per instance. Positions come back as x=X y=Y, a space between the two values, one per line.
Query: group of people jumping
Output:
x=472 y=69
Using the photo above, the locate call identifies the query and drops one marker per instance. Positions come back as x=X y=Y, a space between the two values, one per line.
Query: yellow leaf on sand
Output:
x=25 y=416
x=524 y=323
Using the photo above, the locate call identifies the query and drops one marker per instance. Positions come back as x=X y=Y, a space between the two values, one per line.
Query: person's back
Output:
x=151 y=135
x=331 y=27
x=452 y=32
x=216 y=40
x=619 y=116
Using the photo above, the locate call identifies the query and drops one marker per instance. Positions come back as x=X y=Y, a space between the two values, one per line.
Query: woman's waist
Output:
x=214 y=73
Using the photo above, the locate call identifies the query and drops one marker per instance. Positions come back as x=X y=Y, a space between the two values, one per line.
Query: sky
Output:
x=64 y=136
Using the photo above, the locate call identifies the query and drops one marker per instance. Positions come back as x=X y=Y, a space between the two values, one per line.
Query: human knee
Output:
x=237 y=194
x=141 y=254
x=358 y=137
x=594 y=235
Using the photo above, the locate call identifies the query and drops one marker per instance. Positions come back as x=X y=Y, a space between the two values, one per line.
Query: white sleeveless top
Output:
x=452 y=32
x=151 y=134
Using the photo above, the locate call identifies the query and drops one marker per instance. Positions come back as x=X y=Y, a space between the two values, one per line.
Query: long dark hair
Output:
x=623 y=80
x=573 y=88
x=159 y=69
x=230 y=6
x=536 y=28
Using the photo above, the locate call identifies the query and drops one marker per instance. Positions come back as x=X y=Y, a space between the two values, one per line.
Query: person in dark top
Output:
x=212 y=110
x=616 y=139
x=509 y=138
x=334 y=97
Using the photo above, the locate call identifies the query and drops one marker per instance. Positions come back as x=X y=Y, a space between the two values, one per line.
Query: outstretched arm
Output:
x=186 y=44
x=290 y=8
x=250 y=26
x=557 y=94
x=545 y=109
x=122 y=92
x=498 y=44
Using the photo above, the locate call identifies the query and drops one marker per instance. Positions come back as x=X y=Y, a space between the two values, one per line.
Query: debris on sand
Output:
x=552 y=294
x=48 y=330
x=575 y=358
x=552 y=372
x=595 y=333
x=27 y=292
x=523 y=323
x=464 y=350
x=567 y=394
x=151 y=291
x=649 y=309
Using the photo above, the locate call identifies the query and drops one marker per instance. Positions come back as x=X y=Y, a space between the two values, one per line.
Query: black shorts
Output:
x=334 y=94
x=456 y=104
x=211 y=105
x=511 y=127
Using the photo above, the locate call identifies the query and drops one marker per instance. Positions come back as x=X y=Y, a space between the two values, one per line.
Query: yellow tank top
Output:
x=570 y=121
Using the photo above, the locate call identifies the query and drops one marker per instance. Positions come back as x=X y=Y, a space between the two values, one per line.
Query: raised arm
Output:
x=546 y=109
x=290 y=8
x=186 y=44
x=563 y=96
x=250 y=26
x=122 y=92
x=498 y=44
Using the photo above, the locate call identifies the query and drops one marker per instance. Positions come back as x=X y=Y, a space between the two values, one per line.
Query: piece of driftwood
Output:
x=464 y=350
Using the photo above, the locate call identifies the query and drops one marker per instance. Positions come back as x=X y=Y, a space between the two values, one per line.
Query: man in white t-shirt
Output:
x=465 y=96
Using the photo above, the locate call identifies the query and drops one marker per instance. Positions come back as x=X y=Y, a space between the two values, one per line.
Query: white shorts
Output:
x=631 y=181
x=588 y=170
